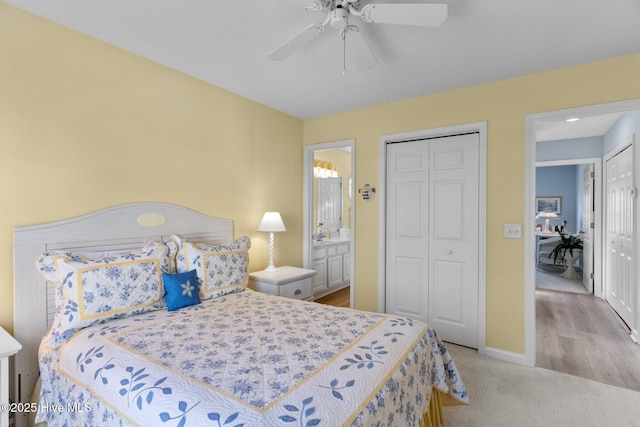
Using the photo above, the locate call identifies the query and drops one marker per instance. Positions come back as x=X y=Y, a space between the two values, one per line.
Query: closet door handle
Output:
x=449 y=252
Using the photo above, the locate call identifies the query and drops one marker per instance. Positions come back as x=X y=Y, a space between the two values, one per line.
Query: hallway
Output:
x=579 y=334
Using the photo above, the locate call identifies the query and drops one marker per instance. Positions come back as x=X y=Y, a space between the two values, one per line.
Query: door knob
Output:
x=449 y=251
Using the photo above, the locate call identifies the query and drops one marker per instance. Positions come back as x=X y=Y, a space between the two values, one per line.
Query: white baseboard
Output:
x=507 y=356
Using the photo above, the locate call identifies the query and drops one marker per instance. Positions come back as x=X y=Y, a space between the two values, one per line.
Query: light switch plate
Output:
x=513 y=231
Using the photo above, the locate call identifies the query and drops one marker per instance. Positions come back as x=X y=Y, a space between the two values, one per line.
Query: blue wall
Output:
x=625 y=127
x=570 y=149
x=553 y=181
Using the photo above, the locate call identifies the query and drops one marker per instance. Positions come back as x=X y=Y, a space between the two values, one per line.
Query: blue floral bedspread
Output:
x=247 y=359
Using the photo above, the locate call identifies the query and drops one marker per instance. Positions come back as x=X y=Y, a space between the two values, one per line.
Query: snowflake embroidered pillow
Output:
x=182 y=289
x=221 y=269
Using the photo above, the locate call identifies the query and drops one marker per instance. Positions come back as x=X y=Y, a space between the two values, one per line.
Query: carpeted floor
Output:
x=510 y=395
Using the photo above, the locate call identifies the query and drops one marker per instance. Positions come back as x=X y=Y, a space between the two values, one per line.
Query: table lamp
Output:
x=547 y=216
x=271 y=223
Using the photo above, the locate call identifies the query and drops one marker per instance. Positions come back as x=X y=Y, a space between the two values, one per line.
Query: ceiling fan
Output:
x=338 y=13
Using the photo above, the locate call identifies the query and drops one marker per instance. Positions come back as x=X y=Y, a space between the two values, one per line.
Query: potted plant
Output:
x=573 y=245
x=566 y=243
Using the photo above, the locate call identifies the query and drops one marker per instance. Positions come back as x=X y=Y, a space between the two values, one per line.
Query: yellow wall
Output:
x=84 y=126
x=503 y=105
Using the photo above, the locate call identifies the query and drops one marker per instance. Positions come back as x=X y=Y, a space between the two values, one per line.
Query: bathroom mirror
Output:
x=331 y=191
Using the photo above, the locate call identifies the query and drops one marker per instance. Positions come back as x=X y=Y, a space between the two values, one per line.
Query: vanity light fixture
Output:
x=324 y=169
x=271 y=223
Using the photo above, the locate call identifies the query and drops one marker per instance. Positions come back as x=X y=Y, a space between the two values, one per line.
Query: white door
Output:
x=329 y=203
x=588 y=215
x=407 y=285
x=432 y=234
x=619 y=290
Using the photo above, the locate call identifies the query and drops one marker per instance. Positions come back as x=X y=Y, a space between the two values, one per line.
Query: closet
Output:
x=432 y=234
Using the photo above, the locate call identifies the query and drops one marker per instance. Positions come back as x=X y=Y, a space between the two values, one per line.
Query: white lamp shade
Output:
x=546 y=215
x=271 y=222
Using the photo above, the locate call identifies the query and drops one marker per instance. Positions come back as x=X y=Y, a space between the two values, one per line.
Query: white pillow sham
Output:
x=91 y=290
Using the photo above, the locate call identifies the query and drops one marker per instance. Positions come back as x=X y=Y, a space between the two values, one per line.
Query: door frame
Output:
x=628 y=143
x=529 y=204
x=481 y=128
x=307 y=206
x=598 y=218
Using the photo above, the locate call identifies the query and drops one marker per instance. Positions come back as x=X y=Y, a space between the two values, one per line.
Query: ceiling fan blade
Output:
x=296 y=42
x=427 y=15
x=358 y=50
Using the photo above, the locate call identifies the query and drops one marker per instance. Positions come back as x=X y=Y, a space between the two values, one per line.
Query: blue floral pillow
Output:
x=182 y=289
x=91 y=290
x=221 y=269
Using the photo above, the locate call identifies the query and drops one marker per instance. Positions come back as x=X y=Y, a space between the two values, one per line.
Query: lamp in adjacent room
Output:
x=271 y=223
x=547 y=216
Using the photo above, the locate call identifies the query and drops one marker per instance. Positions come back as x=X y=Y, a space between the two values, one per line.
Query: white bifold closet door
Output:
x=432 y=253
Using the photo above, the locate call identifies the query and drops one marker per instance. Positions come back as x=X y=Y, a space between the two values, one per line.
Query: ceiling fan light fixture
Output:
x=339 y=18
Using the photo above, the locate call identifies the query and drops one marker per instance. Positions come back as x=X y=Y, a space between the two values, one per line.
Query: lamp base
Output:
x=271 y=268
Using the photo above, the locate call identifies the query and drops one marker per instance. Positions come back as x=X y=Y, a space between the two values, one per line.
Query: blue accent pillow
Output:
x=182 y=289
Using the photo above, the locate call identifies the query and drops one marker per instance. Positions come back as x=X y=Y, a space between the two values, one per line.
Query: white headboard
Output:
x=121 y=227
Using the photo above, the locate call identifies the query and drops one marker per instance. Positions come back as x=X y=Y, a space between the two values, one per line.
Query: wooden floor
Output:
x=341 y=298
x=579 y=334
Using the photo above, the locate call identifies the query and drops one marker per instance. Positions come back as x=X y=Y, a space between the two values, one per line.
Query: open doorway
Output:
x=329 y=218
x=575 y=185
x=624 y=112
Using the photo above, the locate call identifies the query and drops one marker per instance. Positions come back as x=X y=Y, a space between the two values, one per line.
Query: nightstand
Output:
x=8 y=347
x=290 y=282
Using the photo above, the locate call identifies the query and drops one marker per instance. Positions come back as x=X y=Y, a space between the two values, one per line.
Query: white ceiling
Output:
x=226 y=43
x=585 y=127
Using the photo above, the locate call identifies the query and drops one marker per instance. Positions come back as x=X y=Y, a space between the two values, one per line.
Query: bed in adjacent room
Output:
x=115 y=349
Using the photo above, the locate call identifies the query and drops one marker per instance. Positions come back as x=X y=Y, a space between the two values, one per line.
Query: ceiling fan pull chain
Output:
x=344 y=50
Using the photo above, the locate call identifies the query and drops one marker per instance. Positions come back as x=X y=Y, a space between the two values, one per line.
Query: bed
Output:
x=139 y=315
